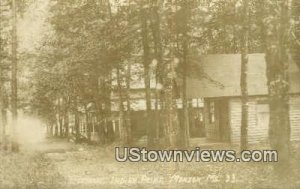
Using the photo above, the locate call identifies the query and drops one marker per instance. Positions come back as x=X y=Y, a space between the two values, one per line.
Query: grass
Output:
x=28 y=171
x=65 y=165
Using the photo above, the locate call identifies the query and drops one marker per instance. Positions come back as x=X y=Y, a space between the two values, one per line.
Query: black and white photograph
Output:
x=150 y=94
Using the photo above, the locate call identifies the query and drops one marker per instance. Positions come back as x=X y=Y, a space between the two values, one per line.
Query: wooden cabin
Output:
x=222 y=97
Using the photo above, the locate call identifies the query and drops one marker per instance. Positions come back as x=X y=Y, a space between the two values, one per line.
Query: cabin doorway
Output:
x=222 y=109
x=196 y=123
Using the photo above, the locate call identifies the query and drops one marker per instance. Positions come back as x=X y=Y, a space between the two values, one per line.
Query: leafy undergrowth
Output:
x=27 y=170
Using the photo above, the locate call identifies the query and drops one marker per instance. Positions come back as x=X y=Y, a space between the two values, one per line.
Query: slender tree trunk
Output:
x=1 y=105
x=2 y=133
x=146 y=61
x=278 y=82
x=171 y=121
x=156 y=32
x=100 y=113
x=107 y=115
x=60 y=116
x=3 y=129
x=66 y=118
x=51 y=129
x=14 y=93
x=295 y=46
x=157 y=115
x=122 y=126
x=55 y=129
x=4 y=119
x=88 y=125
x=61 y=126
x=171 y=117
x=234 y=31
x=186 y=125
x=159 y=57
x=244 y=76
x=66 y=124
x=128 y=112
x=77 y=129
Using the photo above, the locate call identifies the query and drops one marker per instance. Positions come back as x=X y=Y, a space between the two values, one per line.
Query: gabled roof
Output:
x=225 y=71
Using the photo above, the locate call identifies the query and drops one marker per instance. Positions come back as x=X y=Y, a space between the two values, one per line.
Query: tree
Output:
x=186 y=16
x=244 y=73
x=4 y=68
x=158 y=58
x=276 y=34
x=144 y=16
x=184 y=37
x=295 y=32
x=14 y=87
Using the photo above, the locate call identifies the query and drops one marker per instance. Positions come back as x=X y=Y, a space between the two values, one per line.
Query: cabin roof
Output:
x=223 y=71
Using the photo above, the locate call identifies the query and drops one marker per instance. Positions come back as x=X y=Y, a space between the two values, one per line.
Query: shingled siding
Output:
x=259 y=119
x=295 y=117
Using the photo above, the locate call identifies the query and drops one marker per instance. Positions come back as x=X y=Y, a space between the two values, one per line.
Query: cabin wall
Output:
x=258 y=116
x=258 y=123
x=295 y=117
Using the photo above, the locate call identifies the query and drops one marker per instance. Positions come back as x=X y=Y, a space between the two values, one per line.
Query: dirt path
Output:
x=56 y=164
x=84 y=166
